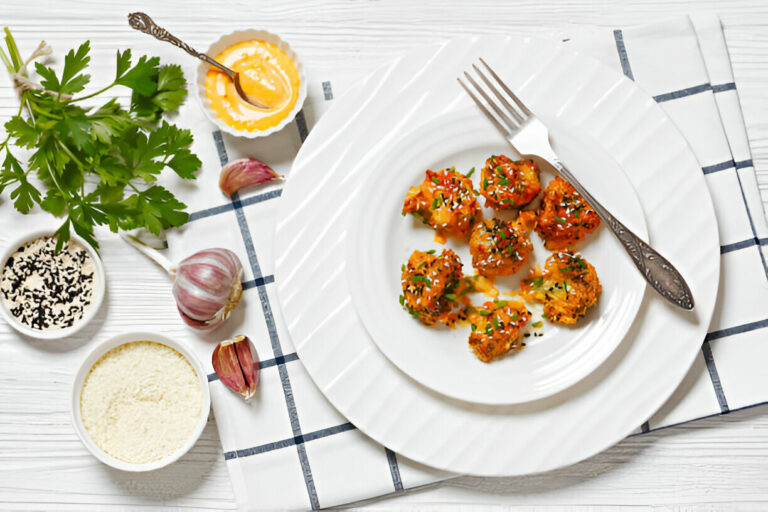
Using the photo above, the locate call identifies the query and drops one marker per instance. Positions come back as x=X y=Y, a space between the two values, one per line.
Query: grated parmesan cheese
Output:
x=141 y=402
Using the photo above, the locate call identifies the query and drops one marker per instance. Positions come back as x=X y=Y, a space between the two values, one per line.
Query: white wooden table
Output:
x=717 y=463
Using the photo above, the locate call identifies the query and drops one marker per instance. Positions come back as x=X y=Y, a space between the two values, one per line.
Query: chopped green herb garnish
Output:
x=502 y=234
x=560 y=220
x=500 y=303
x=436 y=180
x=537 y=324
x=488 y=329
x=514 y=317
x=422 y=279
x=431 y=251
x=402 y=300
x=537 y=281
x=485 y=183
x=495 y=323
x=544 y=315
x=402 y=267
x=510 y=202
x=471 y=171
x=450 y=296
x=484 y=312
x=473 y=327
x=504 y=181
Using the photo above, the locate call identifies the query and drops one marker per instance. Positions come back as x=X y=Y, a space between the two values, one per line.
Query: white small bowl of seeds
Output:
x=49 y=295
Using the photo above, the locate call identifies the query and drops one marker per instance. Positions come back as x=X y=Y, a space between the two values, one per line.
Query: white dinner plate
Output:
x=414 y=421
x=380 y=240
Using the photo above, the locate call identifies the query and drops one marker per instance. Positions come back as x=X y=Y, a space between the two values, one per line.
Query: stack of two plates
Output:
x=419 y=391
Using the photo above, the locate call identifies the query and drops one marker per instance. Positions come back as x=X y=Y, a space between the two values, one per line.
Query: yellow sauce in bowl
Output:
x=266 y=73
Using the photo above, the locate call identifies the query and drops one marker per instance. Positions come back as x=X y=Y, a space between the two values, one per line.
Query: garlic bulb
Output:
x=207 y=287
x=234 y=364
x=244 y=172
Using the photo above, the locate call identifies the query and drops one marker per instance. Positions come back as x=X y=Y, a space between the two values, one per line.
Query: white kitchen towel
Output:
x=289 y=448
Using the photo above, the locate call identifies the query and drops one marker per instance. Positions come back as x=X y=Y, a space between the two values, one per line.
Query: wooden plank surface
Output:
x=719 y=463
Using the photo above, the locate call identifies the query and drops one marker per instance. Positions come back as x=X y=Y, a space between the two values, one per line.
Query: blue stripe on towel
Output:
x=714 y=376
x=709 y=169
x=327 y=91
x=267 y=363
x=689 y=91
x=730 y=331
x=394 y=470
x=271 y=327
x=623 y=59
x=291 y=441
x=730 y=86
x=228 y=207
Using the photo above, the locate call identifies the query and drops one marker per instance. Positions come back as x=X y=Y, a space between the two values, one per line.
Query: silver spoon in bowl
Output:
x=141 y=22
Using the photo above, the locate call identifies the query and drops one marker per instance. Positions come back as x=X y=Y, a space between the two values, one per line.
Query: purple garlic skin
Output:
x=245 y=172
x=234 y=363
x=208 y=287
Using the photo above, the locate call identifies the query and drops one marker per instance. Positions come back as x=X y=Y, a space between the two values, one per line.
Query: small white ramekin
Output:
x=77 y=388
x=222 y=44
x=90 y=312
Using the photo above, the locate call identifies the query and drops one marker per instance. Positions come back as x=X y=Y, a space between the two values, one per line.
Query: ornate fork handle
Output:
x=659 y=272
x=143 y=23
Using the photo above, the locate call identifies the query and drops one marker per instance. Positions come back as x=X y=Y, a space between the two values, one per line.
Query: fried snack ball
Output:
x=564 y=217
x=446 y=201
x=506 y=184
x=430 y=286
x=496 y=328
x=501 y=248
x=567 y=287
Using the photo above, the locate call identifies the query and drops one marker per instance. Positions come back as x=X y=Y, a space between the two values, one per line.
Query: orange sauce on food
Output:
x=266 y=73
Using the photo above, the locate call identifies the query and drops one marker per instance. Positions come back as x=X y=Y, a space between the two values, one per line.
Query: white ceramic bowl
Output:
x=222 y=44
x=98 y=296
x=82 y=373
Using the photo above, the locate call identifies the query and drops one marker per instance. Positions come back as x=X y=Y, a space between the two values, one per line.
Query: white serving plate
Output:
x=380 y=240
x=82 y=373
x=414 y=421
x=98 y=295
x=224 y=42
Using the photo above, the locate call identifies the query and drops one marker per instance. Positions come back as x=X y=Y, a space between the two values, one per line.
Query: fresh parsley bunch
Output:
x=97 y=166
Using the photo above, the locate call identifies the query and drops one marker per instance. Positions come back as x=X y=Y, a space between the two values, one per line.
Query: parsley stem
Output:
x=71 y=155
x=13 y=50
x=94 y=93
x=5 y=60
x=44 y=112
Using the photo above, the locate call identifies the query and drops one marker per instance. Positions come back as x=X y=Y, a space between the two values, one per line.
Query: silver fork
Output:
x=530 y=137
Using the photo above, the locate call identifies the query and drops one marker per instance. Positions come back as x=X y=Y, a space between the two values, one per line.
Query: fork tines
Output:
x=506 y=117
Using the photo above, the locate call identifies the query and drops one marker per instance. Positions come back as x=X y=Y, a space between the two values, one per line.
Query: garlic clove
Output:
x=234 y=364
x=247 y=364
x=227 y=367
x=244 y=172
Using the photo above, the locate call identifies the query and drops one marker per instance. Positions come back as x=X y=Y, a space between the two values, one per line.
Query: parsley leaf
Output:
x=74 y=62
x=25 y=133
x=142 y=77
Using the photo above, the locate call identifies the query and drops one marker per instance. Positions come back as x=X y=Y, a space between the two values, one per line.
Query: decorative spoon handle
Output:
x=657 y=270
x=143 y=23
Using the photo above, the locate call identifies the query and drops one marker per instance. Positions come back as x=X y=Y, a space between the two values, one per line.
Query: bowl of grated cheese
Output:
x=140 y=401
